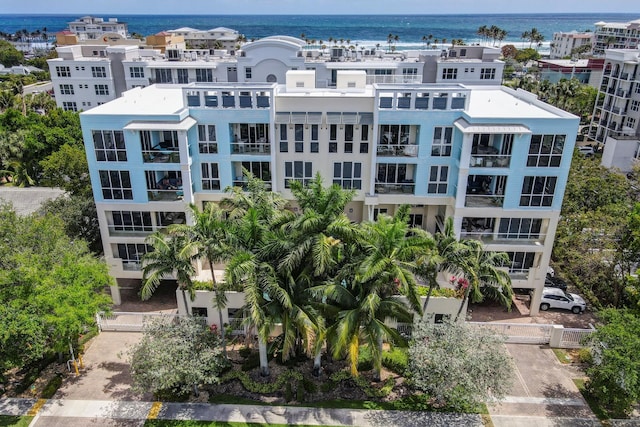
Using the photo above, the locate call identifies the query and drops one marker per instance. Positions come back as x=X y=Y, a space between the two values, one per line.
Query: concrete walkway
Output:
x=71 y=413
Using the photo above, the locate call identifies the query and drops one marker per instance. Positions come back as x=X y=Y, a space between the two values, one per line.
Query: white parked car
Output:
x=557 y=298
x=586 y=150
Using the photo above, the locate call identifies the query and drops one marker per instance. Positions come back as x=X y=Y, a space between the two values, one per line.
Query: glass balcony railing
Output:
x=395 y=188
x=161 y=156
x=165 y=195
x=247 y=148
x=395 y=150
x=489 y=161
x=483 y=201
x=488 y=236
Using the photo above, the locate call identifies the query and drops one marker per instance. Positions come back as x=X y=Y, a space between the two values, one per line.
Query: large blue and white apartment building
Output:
x=494 y=159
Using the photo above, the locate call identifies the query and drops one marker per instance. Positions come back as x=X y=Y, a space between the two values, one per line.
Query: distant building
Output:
x=587 y=71
x=88 y=75
x=215 y=38
x=91 y=28
x=565 y=45
x=616 y=116
x=22 y=70
x=616 y=35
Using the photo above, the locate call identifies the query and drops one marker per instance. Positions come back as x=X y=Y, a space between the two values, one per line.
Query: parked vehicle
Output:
x=586 y=150
x=557 y=298
x=555 y=282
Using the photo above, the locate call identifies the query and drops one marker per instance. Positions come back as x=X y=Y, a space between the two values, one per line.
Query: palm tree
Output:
x=482 y=271
x=209 y=235
x=526 y=35
x=172 y=254
x=366 y=299
x=482 y=32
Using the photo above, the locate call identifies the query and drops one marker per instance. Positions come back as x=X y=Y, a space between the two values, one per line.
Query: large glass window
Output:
x=183 y=75
x=438 y=178
x=487 y=74
x=449 y=73
x=210 y=176
x=109 y=146
x=297 y=171
x=63 y=72
x=442 y=141
x=116 y=185
x=66 y=89
x=204 y=75
x=348 y=175
x=163 y=76
x=538 y=190
x=299 y=138
x=102 y=89
x=545 y=150
x=136 y=72
x=284 y=143
x=131 y=221
x=207 y=139
x=98 y=72
x=519 y=228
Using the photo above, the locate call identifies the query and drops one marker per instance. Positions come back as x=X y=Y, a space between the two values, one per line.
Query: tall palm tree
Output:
x=172 y=254
x=365 y=289
x=482 y=32
x=482 y=270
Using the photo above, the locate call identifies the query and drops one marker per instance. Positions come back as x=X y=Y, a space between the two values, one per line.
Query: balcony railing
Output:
x=483 y=201
x=245 y=148
x=490 y=161
x=160 y=156
x=165 y=195
x=488 y=236
x=242 y=183
x=119 y=231
x=395 y=188
x=131 y=265
x=395 y=150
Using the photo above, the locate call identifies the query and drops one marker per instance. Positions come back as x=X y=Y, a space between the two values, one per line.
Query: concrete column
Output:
x=536 y=297
x=115 y=294
x=556 y=336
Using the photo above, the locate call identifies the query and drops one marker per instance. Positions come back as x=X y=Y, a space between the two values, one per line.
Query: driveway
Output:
x=542 y=390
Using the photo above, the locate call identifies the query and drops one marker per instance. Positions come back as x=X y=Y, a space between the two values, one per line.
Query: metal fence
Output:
x=574 y=337
x=521 y=333
x=130 y=322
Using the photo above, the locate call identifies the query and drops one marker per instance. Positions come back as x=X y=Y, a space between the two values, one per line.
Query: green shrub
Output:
x=171 y=395
x=395 y=360
x=252 y=361
x=245 y=352
x=309 y=386
x=585 y=356
x=442 y=292
x=52 y=386
x=300 y=391
x=288 y=393
x=365 y=359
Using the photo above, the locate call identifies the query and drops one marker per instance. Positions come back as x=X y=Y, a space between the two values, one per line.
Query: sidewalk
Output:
x=57 y=412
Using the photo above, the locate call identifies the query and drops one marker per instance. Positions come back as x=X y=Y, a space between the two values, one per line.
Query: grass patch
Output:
x=14 y=421
x=177 y=423
x=598 y=410
x=52 y=386
x=562 y=356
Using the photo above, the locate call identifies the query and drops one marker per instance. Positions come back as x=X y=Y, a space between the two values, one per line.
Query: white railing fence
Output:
x=521 y=333
x=129 y=321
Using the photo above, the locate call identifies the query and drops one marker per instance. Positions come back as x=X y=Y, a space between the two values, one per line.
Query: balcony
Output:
x=260 y=148
x=395 y=150
x=485 y=191
x=165 y=195
x=161 y=156
x=483 y=201
x=489 y=161
x=407 y=187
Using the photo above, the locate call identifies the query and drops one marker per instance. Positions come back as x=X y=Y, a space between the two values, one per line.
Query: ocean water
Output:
x=361 y=30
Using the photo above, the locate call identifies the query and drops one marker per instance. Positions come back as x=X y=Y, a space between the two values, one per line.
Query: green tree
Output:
x=175 y=356
x=9 y=55
x=80 y=218
x=458 y=365
x=67 y=168
x=525 y=55
x=614 y=375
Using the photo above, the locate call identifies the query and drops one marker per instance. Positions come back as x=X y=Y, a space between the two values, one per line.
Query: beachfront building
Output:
x=615 y=35
x=265 y=60
x=494 y=159
x=215 y=38
x=92 y=28
x=571 y=44
x=587 y=71
x=616 y=115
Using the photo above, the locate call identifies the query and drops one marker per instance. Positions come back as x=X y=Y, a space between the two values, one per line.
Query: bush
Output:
x=585 y=356
x=245 y=352
x=395 y=360
x=288 y=393
x=252 y=361
x=365 y=359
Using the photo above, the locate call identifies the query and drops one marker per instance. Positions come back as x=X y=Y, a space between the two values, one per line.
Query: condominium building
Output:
x=566 y=45
x=215 y=38
x=615 y=35
x=494 y=159
x=92 y=28
x=616 y=115
x=121 y=68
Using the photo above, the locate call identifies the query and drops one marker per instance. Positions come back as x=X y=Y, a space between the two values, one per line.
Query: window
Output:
x=409 y=71
x=207 y=139
x=131 y=254
x=449 y=73
x=442 y=139
x=183 y=75
x=116 y=185
x=395 y=173
x=348 y=175
x=438 y=177
x=210 y=176
x=364 y=137
x=204 y=75
x=415 y=220
x=297 y=171
x=348 y=137
x=299 y=138
x=333 y=137
x=261 y=170
x=378 y=211
x=136 y=72
x=247 y=72
x=284 y=144
x=199 y=312
x=630 y=122
x=521 y=262
x=102 y=89
x=538 y=190
x=69 y=106
x=66 y=90
x=163 y=76
x=315 y=146
x=635 y=105
x=131 y=221
x=109 y=146
x=545 y=150
x=63 y=72
x=98 y=72
x=519 y=228
x=487 y=74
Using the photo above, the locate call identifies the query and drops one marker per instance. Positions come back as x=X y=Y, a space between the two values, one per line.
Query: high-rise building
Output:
x=615 y=35
x=494 y=159
x=571 y=44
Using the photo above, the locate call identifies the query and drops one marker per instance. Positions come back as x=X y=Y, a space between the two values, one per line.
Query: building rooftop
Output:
x=502 y=103
x=152 y=100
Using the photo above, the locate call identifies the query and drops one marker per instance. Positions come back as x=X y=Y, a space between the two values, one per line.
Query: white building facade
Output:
x=616 y=35
x=564 y=45
x=92 y=28
x=494 y=159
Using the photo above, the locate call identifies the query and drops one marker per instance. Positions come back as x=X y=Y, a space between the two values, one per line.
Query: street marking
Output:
x=154 y=411
x=36 y=407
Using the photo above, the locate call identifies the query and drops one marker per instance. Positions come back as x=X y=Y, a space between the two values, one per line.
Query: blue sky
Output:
x=257 y=7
